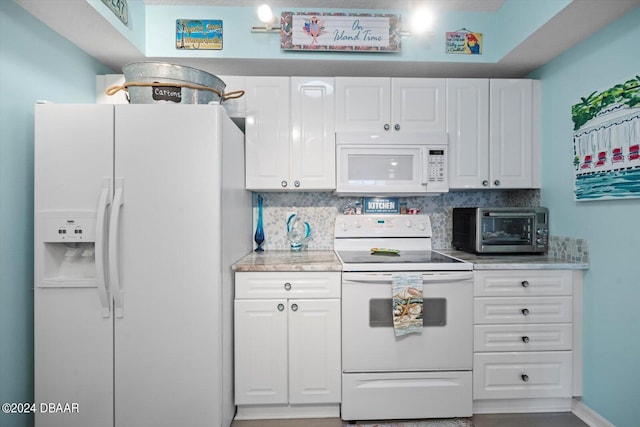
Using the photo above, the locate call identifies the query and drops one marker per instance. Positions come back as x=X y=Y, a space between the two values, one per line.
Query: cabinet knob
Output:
x=294 y=307
x=284 y=184
x=525 y=311
x=485 y=183
x=496 y=182
x=287 y=286
x=524 y=377
x=386 y=126
x=525 y=339
x=525 y=283
x=296 y=184
x=280 y=307
x=397 y=126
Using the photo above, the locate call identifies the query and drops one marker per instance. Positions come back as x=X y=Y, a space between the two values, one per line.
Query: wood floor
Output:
x=555 y=419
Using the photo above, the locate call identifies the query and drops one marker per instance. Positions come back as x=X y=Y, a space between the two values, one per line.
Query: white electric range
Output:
x=420 y=375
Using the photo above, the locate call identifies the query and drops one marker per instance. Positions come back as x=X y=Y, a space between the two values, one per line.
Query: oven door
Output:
x=369 y=343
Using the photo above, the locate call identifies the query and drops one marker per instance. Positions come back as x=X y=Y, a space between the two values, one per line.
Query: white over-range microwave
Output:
x=391 y=163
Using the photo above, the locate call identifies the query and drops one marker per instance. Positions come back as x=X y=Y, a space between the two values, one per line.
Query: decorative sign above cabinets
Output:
x=464 y=41
x=340 y=32
x=203 y=34
x=119 y=8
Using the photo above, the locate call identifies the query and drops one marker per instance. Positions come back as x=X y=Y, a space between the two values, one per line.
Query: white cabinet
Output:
x=313 y=140
x=267 y=132
x=493 y=128
x=378 y=104
x=287 y=342
x=290 y=141
x=526 y=338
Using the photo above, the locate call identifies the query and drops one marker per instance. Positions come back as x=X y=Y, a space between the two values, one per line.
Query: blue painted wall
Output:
x=612 y=284
x=35 y=63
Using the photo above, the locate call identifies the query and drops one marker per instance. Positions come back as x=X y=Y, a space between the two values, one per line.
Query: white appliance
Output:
x=140 y=210
x=420 y=375
x=398 y=163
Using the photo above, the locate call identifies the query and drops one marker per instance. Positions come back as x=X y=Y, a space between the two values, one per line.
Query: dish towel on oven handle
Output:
x=407 y=303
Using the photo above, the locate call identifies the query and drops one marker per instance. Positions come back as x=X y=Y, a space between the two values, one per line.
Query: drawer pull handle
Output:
x=280 y=307
x=525 y=311
x=294 y=307
x=525 y=283
x=525 y=339
x=287 y=286
x=524 y=377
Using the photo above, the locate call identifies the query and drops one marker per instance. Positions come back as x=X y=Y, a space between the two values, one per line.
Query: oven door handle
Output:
x=388 y=277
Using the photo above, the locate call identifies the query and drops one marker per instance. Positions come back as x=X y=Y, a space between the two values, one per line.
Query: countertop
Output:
x=516 y=262
x=328 y=261
x=289 y=261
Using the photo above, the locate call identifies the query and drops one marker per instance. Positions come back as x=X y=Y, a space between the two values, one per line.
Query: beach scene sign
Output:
x=201 y=34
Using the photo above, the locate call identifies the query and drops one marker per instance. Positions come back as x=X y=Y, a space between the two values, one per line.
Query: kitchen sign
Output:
x=119 y=8
x=340 y=32
x=377 y=205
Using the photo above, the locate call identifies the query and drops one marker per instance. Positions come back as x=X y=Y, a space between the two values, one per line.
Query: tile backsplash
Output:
x=320 y=210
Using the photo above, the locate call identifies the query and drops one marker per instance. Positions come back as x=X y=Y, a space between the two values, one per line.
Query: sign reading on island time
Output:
x=340 y=32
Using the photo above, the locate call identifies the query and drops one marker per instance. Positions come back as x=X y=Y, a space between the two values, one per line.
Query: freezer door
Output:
x=73 y=330
x=168 y=328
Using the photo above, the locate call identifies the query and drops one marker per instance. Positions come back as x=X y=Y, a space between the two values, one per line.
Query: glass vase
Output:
x=259 y=236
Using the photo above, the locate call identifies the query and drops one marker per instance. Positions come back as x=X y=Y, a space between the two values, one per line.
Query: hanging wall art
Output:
x=347 y=32
x=199 y=34
x=606 y=143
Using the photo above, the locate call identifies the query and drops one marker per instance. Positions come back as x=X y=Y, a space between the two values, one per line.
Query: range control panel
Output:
x=382 y=226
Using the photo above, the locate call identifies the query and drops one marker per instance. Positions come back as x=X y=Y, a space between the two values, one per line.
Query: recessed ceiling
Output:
x=577 y=21
x=459 y=5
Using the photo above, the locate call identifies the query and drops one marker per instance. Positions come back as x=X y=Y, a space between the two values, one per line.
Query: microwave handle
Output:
x=424 y=160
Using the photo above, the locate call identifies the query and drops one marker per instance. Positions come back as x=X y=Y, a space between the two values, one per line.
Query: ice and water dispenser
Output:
x=68 y=240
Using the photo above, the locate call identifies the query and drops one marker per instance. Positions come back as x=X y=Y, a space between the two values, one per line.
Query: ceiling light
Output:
x=421 y=21
x=265 y=14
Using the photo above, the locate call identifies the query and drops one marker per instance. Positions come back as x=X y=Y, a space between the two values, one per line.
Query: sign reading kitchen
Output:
x=377 y=205
x=340 y=32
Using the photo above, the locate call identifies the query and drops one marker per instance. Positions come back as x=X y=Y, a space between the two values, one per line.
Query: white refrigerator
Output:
x=140 y=210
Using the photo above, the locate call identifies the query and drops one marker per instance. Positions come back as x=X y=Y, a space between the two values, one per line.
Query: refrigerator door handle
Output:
x=114 y=230
x=101 y=274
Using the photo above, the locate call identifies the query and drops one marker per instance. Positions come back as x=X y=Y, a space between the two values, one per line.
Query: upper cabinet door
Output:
x=313 y=140
x=418 y=104
x=267 y=133
x=363 y=104
x=511 y=133
x=468 y=130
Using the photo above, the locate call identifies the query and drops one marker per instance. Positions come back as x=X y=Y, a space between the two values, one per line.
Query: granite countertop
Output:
x=328 y=261
x=517 y=262
x=289 y=261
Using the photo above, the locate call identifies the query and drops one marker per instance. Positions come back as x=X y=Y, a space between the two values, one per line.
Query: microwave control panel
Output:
x=436 y=164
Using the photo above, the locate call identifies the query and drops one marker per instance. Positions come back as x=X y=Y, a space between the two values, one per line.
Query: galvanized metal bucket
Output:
x=157 y=82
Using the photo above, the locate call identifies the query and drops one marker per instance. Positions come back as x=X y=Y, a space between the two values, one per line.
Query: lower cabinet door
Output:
x=512 y=375
x=260 y=352
x=314 y=351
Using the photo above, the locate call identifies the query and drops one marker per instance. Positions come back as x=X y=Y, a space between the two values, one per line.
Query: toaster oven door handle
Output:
x=511 y=214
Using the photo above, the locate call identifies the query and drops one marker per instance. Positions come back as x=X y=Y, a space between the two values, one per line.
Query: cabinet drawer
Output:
x=522 y=283
x=557 y=336
x=522 y=310
x=256 y=285
x=522 y=375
